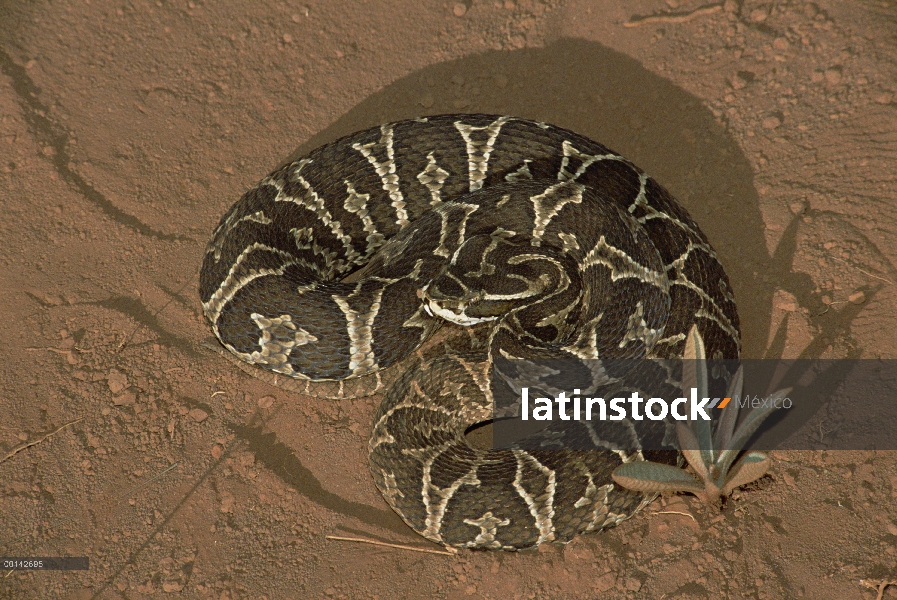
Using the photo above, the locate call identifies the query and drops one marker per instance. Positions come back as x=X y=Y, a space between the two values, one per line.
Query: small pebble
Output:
x=127 y=398
x=857 y=298
x=740 y=79
x=833 y=76
x=459 y=9
x=117 y=381
x=198 y=415
x=758 y=15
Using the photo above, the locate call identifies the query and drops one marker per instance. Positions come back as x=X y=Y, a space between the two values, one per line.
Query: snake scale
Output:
x=529 y=240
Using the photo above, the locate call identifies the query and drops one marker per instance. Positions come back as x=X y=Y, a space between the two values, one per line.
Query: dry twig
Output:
x=448 y=552
x=680 y=17
x=38 y=441
x=675 y=512
x=841 y=260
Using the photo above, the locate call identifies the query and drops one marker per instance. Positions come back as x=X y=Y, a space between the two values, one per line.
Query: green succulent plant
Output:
x=711 y=455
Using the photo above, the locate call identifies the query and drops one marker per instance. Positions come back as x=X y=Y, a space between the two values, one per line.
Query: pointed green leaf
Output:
x=704 y=435
x=694 y=375
x=693 y=359
x=726 y=426
x=751 y=467
x=751 y=423
x=694 y=344
x=688 y=443
x=651 y=477
x=737 y=383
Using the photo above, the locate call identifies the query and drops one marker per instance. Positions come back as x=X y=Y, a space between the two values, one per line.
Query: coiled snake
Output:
x=533 y=239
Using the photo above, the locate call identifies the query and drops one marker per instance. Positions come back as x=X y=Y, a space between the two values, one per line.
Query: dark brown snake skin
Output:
x=528 y=239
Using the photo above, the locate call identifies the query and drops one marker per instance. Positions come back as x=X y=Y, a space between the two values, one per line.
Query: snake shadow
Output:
x=611 y=98
x=667 y=131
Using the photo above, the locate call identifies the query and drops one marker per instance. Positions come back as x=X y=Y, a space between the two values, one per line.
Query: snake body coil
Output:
x=533 y=239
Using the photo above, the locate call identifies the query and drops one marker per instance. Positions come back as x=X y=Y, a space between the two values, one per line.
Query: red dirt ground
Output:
x=127 y=127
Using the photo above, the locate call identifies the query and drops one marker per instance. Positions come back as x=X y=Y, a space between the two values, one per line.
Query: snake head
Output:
x=468 y=308
x=489 y=277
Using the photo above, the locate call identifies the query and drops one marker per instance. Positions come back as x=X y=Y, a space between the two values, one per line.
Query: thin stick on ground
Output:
x=448 y=552
x=841 y=260
x=39 y=440
x=680 y=17
x=675 y=512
